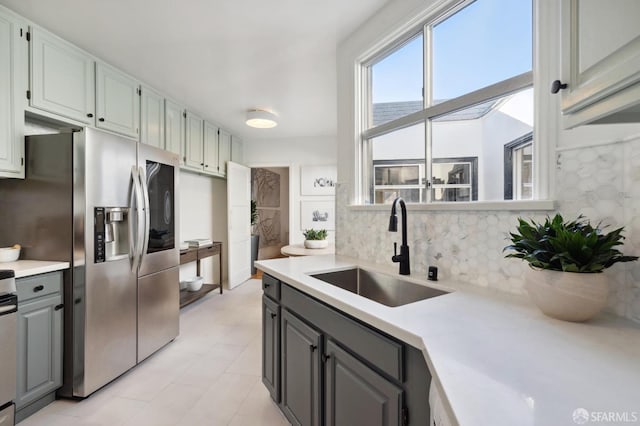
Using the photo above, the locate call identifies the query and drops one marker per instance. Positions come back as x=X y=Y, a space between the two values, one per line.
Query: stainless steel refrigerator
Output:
x=107 y=205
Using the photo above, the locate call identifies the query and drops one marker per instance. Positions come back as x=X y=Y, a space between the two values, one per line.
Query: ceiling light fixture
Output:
x=261 y=119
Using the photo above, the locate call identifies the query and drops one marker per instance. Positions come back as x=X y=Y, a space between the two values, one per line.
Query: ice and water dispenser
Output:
x=111 y=233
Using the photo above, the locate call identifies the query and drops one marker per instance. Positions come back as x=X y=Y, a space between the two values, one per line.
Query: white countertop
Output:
x=25 y=268
x=498 y=360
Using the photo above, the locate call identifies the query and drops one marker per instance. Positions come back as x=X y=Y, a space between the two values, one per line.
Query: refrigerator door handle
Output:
x=145 y=196
x=135 y=234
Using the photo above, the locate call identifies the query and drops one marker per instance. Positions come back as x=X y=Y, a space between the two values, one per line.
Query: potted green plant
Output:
x=315 y=239
x=255 y=237
x=567 y=259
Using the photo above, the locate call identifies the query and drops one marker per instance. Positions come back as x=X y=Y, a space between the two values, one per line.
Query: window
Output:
x=445 y=104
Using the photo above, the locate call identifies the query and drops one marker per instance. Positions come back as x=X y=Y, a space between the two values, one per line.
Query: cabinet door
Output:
x=600 y=56
x=224 y=151
x=39 y=348
x=62 y=78
x=301 y=386
x=357 y=395
x=174 y=129
x=151 y=117
x=117 y=101
x=12 y=91
x=210 y=148
x=271 y=347
x=194 y=156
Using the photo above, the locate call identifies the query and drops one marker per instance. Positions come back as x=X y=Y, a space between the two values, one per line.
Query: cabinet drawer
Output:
x=188 y=256
x=368 y=344
x=271 y=287
x=208 y=251
x=38 y=285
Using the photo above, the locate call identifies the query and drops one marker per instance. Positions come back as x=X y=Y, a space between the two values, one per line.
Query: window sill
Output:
x=516 y=206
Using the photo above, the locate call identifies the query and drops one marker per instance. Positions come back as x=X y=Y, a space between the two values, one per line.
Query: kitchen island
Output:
x=495 y=359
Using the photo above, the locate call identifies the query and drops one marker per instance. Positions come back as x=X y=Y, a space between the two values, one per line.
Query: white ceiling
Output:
x=220 y=57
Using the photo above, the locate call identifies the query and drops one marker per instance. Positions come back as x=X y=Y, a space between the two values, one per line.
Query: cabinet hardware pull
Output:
x=90 y=115
x=266 y=285
x=101 y=119
x=313 y=347
x=325 y=357
x=38 y=288
x=557 y=85
x=58 y=307
x=202 y=164
x=274 y=315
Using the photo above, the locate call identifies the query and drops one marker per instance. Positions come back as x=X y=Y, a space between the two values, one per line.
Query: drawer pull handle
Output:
x=101 y=119
x=266 y=285
x=38 y=288
x=313 y=347
x=325 y=358
x=90 y=115
x=274 y=315
x=58 y=307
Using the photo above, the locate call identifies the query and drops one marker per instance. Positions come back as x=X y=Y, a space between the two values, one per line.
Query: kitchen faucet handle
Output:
x=395 y=249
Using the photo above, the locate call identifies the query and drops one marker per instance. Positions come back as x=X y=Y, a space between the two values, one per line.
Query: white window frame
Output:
x=545 y=123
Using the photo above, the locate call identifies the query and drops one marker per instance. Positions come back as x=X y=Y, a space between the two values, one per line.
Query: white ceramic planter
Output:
x=316 y=244
x=567 y=296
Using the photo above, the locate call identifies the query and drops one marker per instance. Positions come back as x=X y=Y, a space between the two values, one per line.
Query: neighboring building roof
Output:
x=387 y=111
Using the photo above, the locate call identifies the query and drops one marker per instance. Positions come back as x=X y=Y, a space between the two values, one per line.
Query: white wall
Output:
x=292 y=153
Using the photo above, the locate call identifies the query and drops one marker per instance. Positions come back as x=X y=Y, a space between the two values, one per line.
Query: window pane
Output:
x=482 y=44
x=397 y=165
x=397 y=175
x=396 y=83
x=468 y=148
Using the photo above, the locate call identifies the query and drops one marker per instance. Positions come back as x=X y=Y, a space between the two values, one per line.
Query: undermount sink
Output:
x=381 y=288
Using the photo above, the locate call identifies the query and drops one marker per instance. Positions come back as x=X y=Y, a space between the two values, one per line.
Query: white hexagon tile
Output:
x=601 y=182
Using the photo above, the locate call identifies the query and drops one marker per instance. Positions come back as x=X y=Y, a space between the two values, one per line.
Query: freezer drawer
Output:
x=158 y=310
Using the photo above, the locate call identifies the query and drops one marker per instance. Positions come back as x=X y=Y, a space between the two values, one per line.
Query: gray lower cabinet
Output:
x=40 y=317
x=301 y=376
x=271 y=347
x=335 y=370
x=357 y=395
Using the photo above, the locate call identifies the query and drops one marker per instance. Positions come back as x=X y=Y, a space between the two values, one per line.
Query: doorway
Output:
x=270 y=191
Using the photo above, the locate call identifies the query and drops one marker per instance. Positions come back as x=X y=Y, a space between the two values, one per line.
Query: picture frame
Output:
x=317 y=215
x=318 y=180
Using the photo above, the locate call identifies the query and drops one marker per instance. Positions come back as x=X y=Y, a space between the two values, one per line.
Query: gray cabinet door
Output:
x=39 y=349
x=301 y=378
x=357 y=395
x=271 y=347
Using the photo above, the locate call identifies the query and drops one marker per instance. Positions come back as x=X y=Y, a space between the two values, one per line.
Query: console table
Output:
x=196 y=254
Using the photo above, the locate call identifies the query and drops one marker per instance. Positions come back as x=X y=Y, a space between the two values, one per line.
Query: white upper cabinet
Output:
x=62 y=78
x=151 y=117
x=117 y=101
x=600 y=61
x=224 y=151
x=12 y=94
x=193 y=154
x=174 y=128
x=210 y=148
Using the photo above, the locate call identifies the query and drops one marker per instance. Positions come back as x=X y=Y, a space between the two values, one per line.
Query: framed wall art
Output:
x=318 y=180
x=317 y=215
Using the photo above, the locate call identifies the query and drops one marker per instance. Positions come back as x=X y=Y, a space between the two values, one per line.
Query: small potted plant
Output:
x=567 y=259
x=315 y=239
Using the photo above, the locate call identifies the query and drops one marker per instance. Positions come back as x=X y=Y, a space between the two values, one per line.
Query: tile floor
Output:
x=209 y=375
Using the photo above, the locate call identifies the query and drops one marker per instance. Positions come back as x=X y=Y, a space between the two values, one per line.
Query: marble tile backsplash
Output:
x=601 y=182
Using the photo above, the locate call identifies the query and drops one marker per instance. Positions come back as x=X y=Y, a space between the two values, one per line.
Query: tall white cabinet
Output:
x=600 y=62
x=193 y=153
x=61 y=78
x=12 y=92
x=117 y=101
